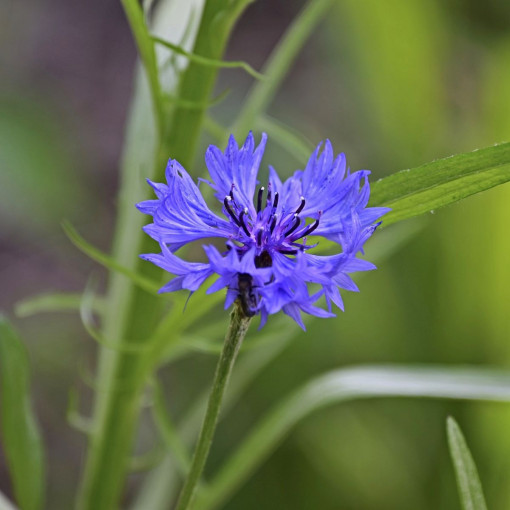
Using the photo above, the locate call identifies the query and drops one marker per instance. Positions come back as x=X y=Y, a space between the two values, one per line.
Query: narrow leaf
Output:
x=21 y=440
x=106 y=260
x=468 y=483
x=54 y=302
x=87 y=318
x=208 y=61
x=347 y=385
x=441 y=182
x=147 y=54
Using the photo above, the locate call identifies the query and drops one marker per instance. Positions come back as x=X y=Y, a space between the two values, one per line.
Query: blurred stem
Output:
x=239 y=324
x=168 y=431
x=133 y=314
x=218 y=19
x=279 y=63
x=147 y=54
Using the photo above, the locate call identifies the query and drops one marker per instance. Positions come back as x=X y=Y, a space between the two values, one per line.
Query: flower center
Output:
x=263 y=260
x=271 y=229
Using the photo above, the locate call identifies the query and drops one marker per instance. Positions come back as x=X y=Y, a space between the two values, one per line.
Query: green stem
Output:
x=147 y=54
x=239 y=324
x=132 y=313
x=278 y=64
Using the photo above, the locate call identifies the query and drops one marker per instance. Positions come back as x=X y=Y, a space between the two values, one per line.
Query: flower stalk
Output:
x=238 y=327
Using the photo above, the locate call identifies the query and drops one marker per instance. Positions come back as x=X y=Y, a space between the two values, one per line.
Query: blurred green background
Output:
x=393 y=84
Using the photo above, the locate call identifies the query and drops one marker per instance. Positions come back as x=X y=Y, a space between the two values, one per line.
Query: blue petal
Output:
x=237 y=167
x=181 y=214
x=190 y=275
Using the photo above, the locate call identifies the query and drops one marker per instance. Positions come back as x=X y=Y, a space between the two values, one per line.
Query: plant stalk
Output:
x=133 y=314
x=238 y=327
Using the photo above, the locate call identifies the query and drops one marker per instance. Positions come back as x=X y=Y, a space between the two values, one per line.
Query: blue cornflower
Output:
x=266 y=261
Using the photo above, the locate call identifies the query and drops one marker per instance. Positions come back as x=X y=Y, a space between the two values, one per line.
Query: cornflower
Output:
x=267 y=262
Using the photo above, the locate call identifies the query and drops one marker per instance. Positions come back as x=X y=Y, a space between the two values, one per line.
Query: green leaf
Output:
x=54 y=302
x=107 y=261
x=147 y=54
x=209 y=62
x=21 y=440
x=441 y=182
x=470 y=488
x=347 y=385
x=87 y=319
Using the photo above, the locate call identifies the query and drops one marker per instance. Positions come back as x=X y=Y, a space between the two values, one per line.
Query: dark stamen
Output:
x=259 y=237
x=273 y=224
x=301 y=205
x=297 y=221
x=226 y=203
x=309 y=230
x=243 y=224
x=259 y=199
x=288 y=252
x=275 y=201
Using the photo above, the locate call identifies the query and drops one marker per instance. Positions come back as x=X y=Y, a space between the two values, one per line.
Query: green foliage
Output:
x=21 y=439
x=138 y=334
x=278 y=64
x=53 y=302
x=173 y=442
x=160 y=486
x=208 y=61
x=470 y=488
x=442 y=182
x=107 y=261
x=345 y=385
x=147 y=54
x=135 y=315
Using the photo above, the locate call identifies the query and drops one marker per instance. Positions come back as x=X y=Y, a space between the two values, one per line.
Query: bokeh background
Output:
x=393 y=84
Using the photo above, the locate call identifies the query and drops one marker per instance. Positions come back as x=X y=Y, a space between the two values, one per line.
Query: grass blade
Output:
x=21 y=440
x=209 y=61
x=145 y=45
x=107 y=261
x=441 y=182
x=54 y=302
x=345 y=385
x=470 y=488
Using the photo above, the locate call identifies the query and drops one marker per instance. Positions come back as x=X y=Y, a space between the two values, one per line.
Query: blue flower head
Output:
x=267 y=262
